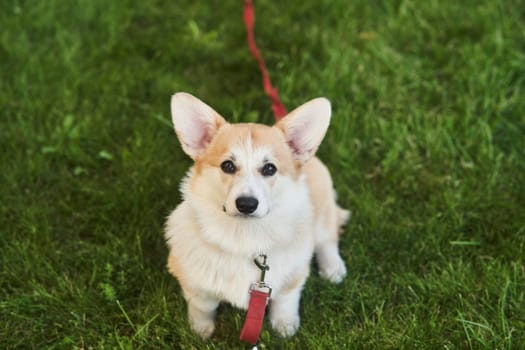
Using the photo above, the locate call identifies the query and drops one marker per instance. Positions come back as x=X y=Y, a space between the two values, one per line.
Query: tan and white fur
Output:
x=277 y=199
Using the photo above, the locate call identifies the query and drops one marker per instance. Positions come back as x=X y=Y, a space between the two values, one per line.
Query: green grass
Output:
x=426 y=146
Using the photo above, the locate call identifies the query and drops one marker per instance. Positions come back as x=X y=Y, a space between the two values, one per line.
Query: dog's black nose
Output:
x=246 y=205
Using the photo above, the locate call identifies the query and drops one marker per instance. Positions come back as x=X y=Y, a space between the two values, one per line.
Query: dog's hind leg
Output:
x=328 y=226
x=328 y=219
x=331 y=265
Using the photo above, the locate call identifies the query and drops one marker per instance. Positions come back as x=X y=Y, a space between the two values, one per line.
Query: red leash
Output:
x=254 y=317
x=259 y=297
x=278 y=108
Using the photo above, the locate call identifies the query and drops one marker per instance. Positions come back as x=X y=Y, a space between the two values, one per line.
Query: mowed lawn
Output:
x=426 y=147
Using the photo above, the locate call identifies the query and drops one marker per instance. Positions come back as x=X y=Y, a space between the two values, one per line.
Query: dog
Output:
x=253 y=189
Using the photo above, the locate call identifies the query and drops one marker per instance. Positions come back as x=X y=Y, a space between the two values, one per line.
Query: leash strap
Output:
x=259 y=295
x=278 y=108
x=254 y=318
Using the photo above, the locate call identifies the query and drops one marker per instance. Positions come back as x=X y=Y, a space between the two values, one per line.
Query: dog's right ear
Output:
x=195 y=123
x=304 y=127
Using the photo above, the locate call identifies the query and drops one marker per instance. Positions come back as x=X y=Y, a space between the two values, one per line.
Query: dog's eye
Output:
x=228 y=167
x=268 y=169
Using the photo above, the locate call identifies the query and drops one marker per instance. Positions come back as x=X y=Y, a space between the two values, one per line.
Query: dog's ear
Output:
x=195 y=123
x=305 y=127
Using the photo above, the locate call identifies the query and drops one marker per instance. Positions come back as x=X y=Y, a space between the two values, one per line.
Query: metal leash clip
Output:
x=261 y=285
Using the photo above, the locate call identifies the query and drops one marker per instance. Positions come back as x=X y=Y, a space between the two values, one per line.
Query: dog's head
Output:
x=243 y=169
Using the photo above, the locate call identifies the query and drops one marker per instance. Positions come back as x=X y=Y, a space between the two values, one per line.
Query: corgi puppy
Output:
x=253 y=189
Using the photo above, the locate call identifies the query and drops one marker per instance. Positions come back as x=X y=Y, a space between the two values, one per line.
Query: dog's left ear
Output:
x=304 y=128
x=195 y=123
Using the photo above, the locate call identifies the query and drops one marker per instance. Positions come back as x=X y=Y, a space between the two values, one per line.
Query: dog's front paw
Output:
x=204 y=328
x=286 y=327
x=335 y=272
x=201 y=314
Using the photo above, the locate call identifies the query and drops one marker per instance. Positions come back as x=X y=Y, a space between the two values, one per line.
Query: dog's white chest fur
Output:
x=217 y=251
